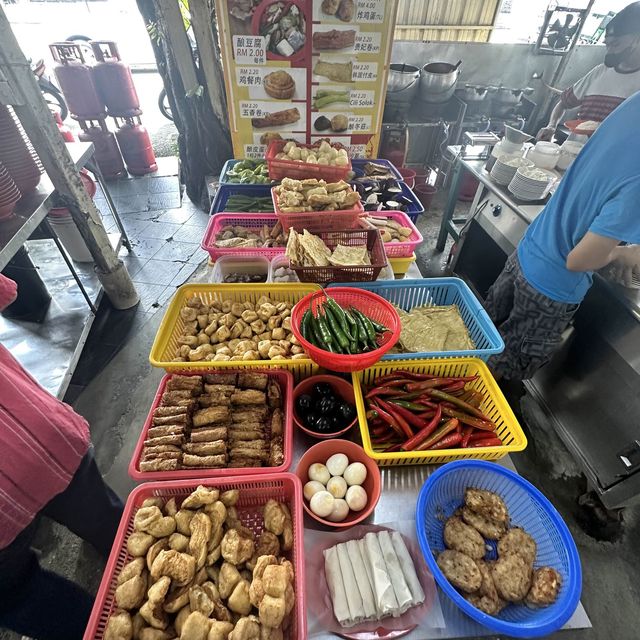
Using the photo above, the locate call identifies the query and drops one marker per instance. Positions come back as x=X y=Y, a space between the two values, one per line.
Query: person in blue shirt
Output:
x=595 y=208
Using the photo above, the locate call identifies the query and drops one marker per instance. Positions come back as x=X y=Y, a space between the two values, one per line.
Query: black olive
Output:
x=311 y=420
x=346 y=412
x=304 y=403
x=323 y=425
x=326 y=405
x=337 y=422
x=321 y=389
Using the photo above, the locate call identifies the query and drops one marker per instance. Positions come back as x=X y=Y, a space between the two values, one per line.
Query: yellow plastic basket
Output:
x=172 y=325
x=400 y=266
x=494 y=406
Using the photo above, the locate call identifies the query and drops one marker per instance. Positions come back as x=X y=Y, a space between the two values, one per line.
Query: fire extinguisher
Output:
x=107 y=153
x=136 y=148
x=113 y=80
x=76 y=81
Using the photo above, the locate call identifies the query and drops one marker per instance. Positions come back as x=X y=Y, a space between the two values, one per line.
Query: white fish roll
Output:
x=408 y=568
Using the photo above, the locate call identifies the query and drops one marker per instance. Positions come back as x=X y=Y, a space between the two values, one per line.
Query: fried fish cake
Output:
x=487 y=503
x=489 y=528
x=460 y=570
x=488 y=587
x=485 y=604
x=517 y=541
x=512 y=577
x=545 y=587
x=461 y=537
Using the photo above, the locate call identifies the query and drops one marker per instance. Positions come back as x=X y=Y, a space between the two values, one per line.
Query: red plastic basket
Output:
x=372 y=305
x=400 y=249
x=283 y=378
x=329 y=220
x=279 y=169
x=349 y=238
x=254 y=493
x=249 y=220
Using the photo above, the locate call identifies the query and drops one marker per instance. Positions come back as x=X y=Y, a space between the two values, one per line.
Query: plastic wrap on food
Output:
x=386 y=601
x=408 y=568
x=354 y=599
x=336 y=587
x=400 y=587
x=365 y=558
x=369 y=608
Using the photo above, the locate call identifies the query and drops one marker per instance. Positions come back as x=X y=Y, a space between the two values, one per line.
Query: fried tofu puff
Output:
x=512 y=577
x=460 y=570
x=459 y=536
x=545 y=587
x=517 y=541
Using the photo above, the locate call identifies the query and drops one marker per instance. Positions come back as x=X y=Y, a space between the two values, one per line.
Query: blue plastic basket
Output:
x=408 y=294
x=228 y=165
x=358 y=163
x=443 y=493
x=225 y=191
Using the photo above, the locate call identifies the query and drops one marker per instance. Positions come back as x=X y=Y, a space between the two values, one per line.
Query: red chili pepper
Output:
x=470 y=420
x=476 y=398
x=466 y=434
x=392 y=411
x=427 y=415
x=440 y=395
x=488 y=442
x=388 y=389
x=455 y=388
x=390 y=420
x=413 y=406
x=409 y=416
x=410 y=375
x=392 y=448
x=459 y=427
x=481 y=435
x=429 y=384
x=448 y=442
x=424 y=433
x=372 y=415
x=438 y=434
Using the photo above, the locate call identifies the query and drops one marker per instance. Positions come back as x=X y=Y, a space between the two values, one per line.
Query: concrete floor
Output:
x=116 y=401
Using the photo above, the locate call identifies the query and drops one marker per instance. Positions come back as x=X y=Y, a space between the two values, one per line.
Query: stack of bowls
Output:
x=505 y=168
x=15 y=155
x=9 y=193
x=532 y=183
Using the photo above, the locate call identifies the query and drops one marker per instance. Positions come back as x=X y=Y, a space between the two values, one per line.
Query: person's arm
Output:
x=594 y=252
x=8 y=291
x=546 y=133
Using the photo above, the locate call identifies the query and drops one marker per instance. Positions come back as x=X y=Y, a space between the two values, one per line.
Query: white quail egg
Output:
x=355 y=473
x=312 y=487
x=337 y=463
x=356 y=498
x=340 y=511
x=317 y=471
x=337 y=487
x=322 y=503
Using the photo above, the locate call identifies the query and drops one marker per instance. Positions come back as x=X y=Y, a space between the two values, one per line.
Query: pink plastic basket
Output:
x=279 y=169
x=283 y=378
x=254 y=493
x=327 y=220
x=249 y=220
x=401 y=249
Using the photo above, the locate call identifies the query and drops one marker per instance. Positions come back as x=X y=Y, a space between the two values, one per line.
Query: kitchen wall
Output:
x=508 y=64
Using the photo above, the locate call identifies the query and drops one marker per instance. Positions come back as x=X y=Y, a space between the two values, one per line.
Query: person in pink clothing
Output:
x=46 y=467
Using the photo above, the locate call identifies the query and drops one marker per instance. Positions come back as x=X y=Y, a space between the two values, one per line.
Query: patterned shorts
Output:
x=531 y=324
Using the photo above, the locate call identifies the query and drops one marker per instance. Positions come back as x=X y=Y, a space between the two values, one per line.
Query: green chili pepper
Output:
x=339 y=314
x=335 y=328
x=368 y=327
x=315 y=333
x=304 y=325
x=323 y=329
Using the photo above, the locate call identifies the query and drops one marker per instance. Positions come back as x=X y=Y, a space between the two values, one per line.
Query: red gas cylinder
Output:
x=136 y=147
x=113 y=80
x=76 y=81
x=67 y=134
x=107 y=153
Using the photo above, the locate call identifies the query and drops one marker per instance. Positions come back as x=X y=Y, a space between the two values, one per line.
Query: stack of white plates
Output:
x=531 y=183
x=505 y=168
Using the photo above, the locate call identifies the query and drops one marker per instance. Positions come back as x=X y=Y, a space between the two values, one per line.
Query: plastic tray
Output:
x=276 y=263
x=347 y=237
x=371 y=305
x=408 y=294
x=443 y=493
x=254 y=493
x=279 y=169
x=328 y=220
x=249 y=220
x=228 y=165
x=240 y=264
x=358 y=164
x=283 y=378
x=494 y=407
x=166 y=340
x=400 y=249
x=225 y=191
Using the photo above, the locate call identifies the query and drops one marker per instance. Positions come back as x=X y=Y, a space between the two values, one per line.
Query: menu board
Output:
x=304 y=70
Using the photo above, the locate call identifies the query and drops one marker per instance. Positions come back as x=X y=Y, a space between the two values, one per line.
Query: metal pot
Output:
x=438 y=81
x=506 y=95
x=473 y=93
x=402 y=82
